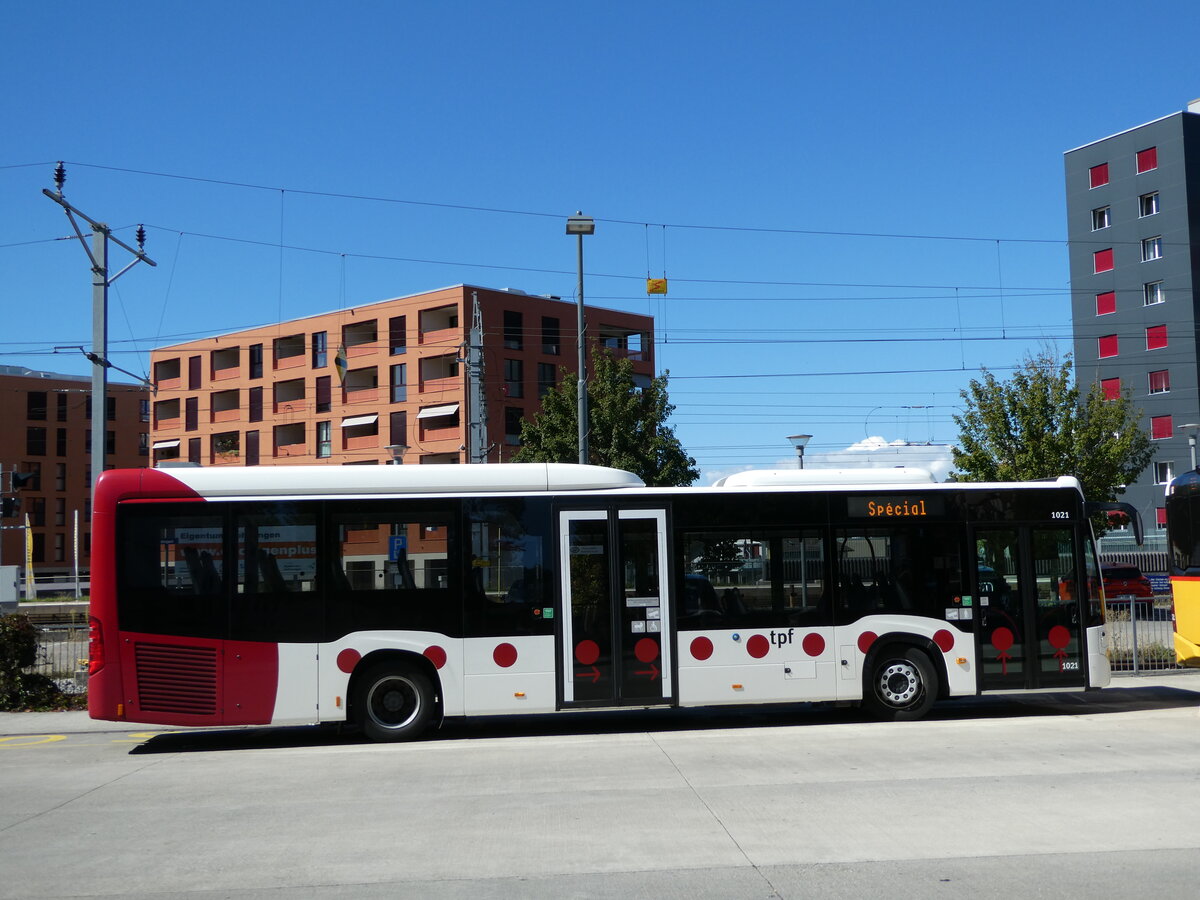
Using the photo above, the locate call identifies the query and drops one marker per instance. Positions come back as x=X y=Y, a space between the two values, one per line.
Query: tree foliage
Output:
x=627 y=426
x=1037 y=424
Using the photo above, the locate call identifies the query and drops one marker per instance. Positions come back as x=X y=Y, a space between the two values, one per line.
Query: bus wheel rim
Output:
x=899 y=683
x=393 y=702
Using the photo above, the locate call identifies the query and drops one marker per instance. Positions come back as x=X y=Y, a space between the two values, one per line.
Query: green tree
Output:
x=1038 y=424
x=627 y=426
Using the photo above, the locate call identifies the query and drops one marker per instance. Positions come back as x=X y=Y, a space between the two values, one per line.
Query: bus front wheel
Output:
x=395 y=703
x=901 y=685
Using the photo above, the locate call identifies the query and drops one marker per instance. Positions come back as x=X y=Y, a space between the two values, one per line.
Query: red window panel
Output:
x=1107 y=346
x=1098 y=175
x=1106 y=303
x=1111 y=388
x=1156 y=337
x=1160 y=516
x=1161 y=427
x=1160 y=382
x=1147 y=159
x=1102 y=260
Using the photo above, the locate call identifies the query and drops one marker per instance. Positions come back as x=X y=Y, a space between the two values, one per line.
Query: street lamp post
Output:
x=579 y=225
x=1191 y=430
x=799 y=441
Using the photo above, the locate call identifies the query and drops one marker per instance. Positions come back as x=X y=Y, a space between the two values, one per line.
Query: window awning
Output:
x=432 y=412
x=164 y=445
x=351 y=421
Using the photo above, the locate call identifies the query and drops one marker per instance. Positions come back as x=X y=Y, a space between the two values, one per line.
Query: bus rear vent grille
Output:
x=177 y=679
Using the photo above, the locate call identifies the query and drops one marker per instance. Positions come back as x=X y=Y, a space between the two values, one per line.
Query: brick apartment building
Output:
x=1133 y=209
x=440 y=377
x=48 y=436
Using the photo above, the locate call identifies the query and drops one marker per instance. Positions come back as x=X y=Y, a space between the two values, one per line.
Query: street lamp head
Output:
x=397 y=451
x=799 y=441
x=581 y=224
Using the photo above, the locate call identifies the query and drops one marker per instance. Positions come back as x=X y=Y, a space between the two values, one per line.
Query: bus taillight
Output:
x=95 y=646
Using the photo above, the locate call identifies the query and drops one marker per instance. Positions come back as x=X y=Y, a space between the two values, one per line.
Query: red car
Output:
x=1126 y=584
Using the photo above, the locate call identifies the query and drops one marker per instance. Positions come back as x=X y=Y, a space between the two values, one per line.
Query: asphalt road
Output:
x=1042 y=795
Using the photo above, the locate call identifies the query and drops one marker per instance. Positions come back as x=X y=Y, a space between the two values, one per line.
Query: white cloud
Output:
x=869 y=453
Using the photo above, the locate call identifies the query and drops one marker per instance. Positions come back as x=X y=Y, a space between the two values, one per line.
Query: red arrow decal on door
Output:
x=652 y=672
x=594 y=674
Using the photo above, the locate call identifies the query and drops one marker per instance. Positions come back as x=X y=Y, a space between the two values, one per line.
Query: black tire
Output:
x=901 y=684
x=394 y=702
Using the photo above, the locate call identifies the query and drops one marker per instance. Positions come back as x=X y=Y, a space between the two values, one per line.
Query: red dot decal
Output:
x=587 y=652
x=865 y=640
x=1002 y=639
x=504 y=655
x=813 y=644
x=945 y=640
x=702 y=648
x=436 y=655
x=347 y=660
x=646 y=650
x=758 y=646
x=1059 y=637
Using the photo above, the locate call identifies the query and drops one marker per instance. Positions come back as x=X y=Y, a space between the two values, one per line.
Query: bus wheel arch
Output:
x=902 y=677
x=394 y=695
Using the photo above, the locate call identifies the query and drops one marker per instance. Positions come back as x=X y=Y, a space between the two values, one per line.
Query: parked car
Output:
x=1126 y=584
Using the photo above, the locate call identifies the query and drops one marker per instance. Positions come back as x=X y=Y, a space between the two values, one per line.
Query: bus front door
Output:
x=1030 y=633
x=615 y=647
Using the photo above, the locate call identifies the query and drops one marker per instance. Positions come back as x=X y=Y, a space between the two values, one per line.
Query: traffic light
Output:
x=20 y=479
x=9 y=507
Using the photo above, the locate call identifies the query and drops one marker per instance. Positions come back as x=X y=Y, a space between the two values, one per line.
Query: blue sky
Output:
x=769 y=158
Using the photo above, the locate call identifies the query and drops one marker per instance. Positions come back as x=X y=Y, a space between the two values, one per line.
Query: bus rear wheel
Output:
x=901 y=685
x=394 y=703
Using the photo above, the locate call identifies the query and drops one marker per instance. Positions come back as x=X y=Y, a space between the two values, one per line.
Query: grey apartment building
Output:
x=1133 y=209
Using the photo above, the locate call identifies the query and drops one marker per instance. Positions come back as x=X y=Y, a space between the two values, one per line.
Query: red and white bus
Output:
x=396 y=596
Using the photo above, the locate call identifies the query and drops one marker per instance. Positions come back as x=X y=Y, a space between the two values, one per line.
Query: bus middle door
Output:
x=616 y=646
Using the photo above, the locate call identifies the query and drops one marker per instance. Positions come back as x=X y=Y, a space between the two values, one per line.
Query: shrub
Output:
x=18 y=651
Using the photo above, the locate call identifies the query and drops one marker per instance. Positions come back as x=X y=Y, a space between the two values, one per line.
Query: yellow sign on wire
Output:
x=656 y=286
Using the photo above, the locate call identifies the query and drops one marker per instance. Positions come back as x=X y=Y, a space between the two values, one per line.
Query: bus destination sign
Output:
x=893 y=508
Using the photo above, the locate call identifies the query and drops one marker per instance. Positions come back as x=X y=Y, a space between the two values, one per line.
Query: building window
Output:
x=1156 y=337
x=513 y=338
x=166 y=371
x=288 y=347
x=397 y=335
x=1151 y=248
x=514 y=378
x=143 y=411
x=324 y=393
x=37 y=511
x=1152 y=292
x=254 y=404
x=547 y=378
x=1148 y=204
x=193 y=450
x=324 y=440
x=35 y=405
x=551 y=336
x=1102 y=261
x=513 y=416
x=1163 y=472
x=398 y=429
x=61 y=403
x=1107 y=346
x=60 y=442
x=39 y=547
x=143 y=443
x=252 y=444
x=34 y=470
x=1160 y=382
x=1111 y=388
x=194 y=364
x=191 y=413
x=35 y=441
x=1098 y=175
x=256 y=360
x=1147 y=159
x=60 y=511
x=1161 y=428
x=320 y=349
x=1100 y=218
x=60 y=476
x=1106 y=303
x=226 y=445
x=399 y=383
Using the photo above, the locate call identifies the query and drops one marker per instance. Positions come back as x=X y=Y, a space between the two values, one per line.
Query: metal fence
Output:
x=1141 y=636
x=63 y=656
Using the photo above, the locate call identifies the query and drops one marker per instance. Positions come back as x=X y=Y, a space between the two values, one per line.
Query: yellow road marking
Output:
x=30 y=740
